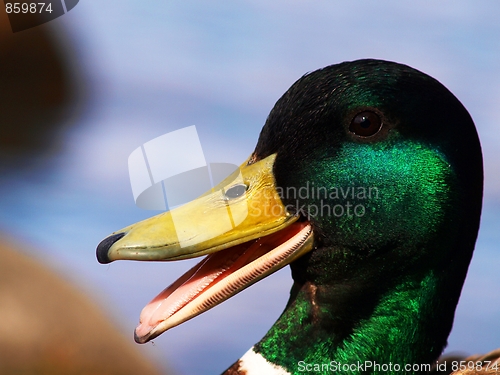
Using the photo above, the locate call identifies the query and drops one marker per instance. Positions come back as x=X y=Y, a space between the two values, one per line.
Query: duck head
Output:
x=366 y=180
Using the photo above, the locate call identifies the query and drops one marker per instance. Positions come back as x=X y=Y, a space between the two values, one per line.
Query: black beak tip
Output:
x=103 y=247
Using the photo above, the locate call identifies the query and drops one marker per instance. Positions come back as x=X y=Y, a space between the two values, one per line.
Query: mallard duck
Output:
x=367 y=180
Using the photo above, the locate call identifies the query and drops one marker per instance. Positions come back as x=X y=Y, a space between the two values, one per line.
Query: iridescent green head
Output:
x=373 y=174
x=386 y=164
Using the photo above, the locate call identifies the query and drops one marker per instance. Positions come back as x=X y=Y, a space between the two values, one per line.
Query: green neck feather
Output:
x=310 y=333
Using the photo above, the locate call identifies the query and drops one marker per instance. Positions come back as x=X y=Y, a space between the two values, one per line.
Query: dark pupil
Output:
x=364 y=122
x=236 y=191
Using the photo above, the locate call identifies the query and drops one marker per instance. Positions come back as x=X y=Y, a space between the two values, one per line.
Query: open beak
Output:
x=241 y=224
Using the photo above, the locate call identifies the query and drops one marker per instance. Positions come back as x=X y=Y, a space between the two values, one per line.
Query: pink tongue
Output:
x=176 y=296
x=205 y=274
x=193 y=282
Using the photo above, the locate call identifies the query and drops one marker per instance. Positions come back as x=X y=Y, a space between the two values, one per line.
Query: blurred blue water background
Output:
x=153 y=67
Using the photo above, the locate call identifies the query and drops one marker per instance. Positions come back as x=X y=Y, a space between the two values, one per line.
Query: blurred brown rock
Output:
x=49 y=328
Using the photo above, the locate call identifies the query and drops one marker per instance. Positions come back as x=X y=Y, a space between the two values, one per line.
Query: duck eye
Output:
x=365 y=124
x=235 y=191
